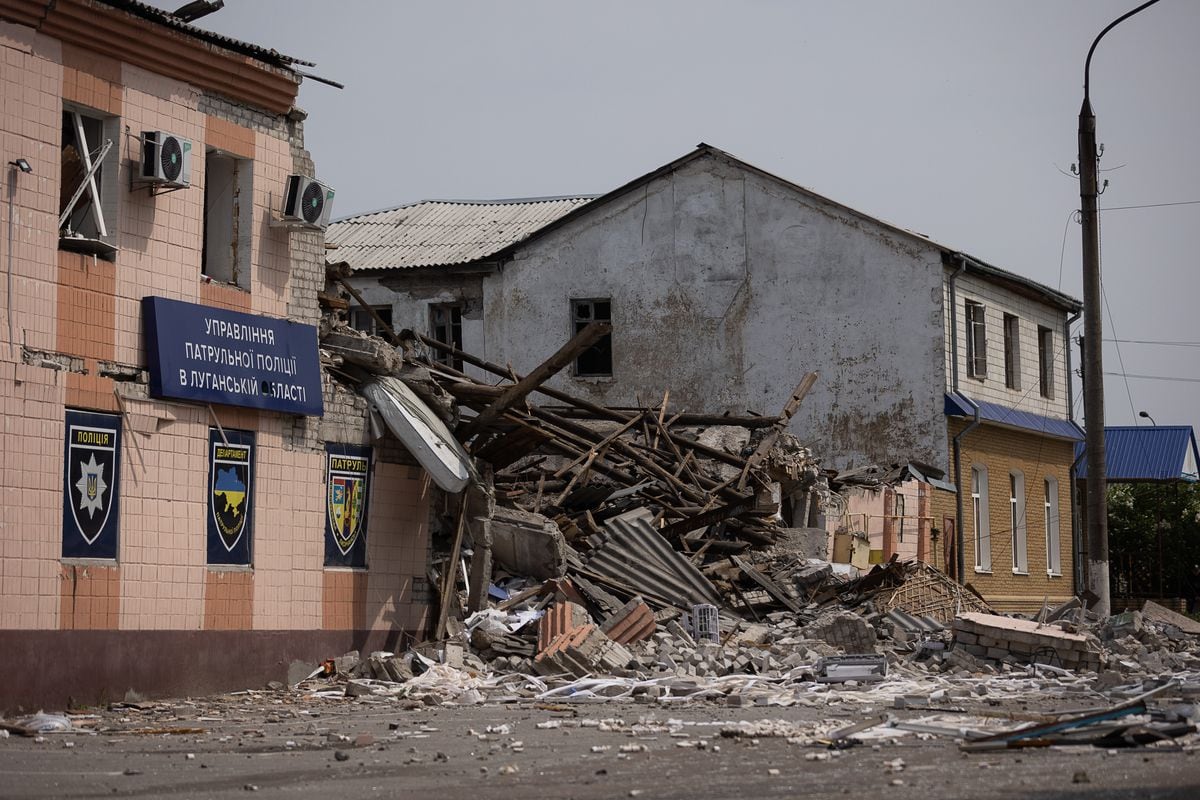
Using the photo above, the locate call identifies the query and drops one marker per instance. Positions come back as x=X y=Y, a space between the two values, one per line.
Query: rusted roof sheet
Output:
x=435 y=233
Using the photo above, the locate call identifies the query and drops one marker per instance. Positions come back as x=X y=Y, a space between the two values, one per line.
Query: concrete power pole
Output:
x=1093 y=332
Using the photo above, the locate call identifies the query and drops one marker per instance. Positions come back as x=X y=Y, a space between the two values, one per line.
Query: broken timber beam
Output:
x=768 y=441
x=597 y=410
x=543 y=372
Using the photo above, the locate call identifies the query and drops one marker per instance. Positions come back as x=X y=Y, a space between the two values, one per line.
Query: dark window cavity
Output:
x=597 y=360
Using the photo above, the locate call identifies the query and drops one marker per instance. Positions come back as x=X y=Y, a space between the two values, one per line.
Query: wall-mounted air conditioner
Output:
x=307 y=201
x=166 y=159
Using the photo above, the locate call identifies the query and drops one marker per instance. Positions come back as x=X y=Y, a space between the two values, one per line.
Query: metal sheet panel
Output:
x=1147 y=453
x=440 y=232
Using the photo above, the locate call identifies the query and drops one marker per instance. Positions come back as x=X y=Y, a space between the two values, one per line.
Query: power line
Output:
x=1163 y=342
x=1154 y=205
x=1153 y=377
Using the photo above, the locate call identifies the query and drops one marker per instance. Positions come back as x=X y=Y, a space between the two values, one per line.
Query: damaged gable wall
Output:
x=726 y=287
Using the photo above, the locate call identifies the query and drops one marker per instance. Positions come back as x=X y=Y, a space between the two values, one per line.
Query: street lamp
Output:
x=1093 y=333
x=1147 y=416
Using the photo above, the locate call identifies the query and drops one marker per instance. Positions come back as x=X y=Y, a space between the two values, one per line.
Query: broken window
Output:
x=1046 y=361
x=1016 y=510
x=976 y=340
x=597 y=360
x=88 y=187
x=979 y=511
x=899 y=517
x=445 y=325
x=1012 y=352
x=1053 y=546
x=228 y=194
x=361 y=319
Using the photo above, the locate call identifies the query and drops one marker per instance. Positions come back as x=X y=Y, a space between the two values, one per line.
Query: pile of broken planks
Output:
x=607 y=478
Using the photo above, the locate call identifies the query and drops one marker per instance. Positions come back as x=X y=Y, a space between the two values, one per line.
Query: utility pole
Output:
x=1093 y=332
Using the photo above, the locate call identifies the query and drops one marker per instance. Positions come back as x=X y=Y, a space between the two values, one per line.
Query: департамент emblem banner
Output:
x=212 y=355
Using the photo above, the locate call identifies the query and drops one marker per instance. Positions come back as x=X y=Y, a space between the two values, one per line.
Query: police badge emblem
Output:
x=346 y=477
x=91 y=473
x=229 y=498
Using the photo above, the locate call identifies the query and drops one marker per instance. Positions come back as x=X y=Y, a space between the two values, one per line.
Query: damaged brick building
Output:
x=182 y=482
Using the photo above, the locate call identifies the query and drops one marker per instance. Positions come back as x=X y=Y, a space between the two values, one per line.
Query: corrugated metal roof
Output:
x=435 y=233
x=957 y=404
x=158 y=15
x=1147 y=453
x=632 y=552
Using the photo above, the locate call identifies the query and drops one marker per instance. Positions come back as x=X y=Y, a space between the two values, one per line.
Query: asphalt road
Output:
x=275 y=745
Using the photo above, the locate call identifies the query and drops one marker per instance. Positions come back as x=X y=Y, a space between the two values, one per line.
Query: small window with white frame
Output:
x=976 y=321
x=88 y=189
x=979 y=518
x=1053 y=543
x=1016 y=519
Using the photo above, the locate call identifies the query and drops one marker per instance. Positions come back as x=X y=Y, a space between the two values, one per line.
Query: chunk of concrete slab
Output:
x=528 y=544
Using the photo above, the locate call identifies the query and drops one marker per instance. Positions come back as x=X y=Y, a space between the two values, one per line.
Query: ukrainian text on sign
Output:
x=214 y=355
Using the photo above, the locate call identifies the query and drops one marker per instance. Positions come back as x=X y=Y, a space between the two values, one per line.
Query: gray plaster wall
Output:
x=727 y=286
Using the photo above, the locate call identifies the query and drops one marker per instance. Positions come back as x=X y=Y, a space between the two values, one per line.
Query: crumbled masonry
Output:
x=606 y=546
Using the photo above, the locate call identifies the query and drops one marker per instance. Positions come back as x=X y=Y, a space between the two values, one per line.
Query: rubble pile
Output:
x=655 y=555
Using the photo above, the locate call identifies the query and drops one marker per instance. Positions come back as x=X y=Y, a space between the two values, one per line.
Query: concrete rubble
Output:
x=643 y=555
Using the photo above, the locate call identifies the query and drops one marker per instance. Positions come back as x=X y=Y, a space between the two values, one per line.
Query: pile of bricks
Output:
x=844 y=630
x=995 y=637
x=582 y=652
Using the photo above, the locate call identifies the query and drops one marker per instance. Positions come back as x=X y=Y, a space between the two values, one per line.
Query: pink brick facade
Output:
x=71 y=338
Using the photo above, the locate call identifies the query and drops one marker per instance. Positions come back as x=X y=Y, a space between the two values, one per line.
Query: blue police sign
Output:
x=212 y=355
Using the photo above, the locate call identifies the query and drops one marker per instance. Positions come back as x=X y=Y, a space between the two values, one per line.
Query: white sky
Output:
x=955 y=119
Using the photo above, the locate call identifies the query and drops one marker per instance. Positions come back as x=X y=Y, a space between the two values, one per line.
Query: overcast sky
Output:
x=955 y=119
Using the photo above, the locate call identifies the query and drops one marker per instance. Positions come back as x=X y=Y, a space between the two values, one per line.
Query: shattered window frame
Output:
x=94 y=214
x=597 y=360
x=445 y=326
x=976 y=320
x=361 y=319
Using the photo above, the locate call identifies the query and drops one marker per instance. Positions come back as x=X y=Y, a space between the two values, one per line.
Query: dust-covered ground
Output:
x=287 y=744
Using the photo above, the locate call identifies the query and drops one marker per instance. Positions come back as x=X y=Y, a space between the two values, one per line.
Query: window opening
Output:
x=979 y=508
x=597 y=360
x=1016 y=507
x=976 y=340
x=81 y=213
x=1053 y=546
x=226 y=245
x=1046 y=362
x=361 y=319
x=445 y=325
x=1012 y=352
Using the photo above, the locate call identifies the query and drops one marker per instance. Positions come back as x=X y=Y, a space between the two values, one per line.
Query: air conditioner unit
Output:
x=166 y=159
x=307 y=201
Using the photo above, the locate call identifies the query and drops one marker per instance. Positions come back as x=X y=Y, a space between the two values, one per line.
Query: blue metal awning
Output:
x=1147 y=453
x=957 y=404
